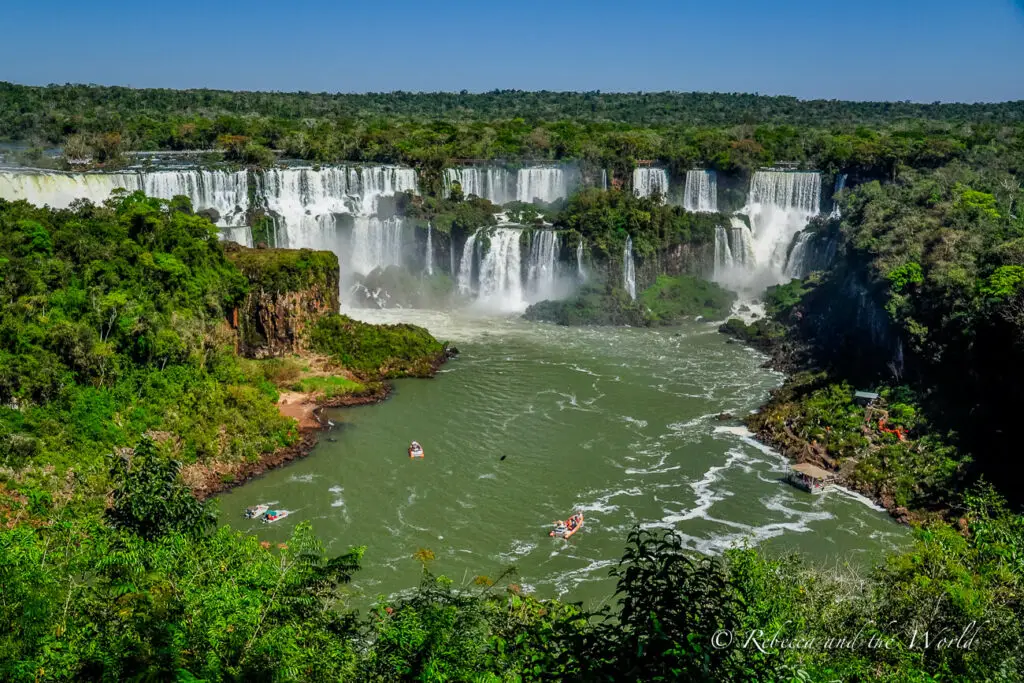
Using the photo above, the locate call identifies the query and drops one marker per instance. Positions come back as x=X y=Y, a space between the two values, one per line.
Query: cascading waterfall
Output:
x=542 y=265
x=701 y=192
x=501 y=285
x=226 y=193
x=723 y=253
x=648 y=181
x=779 y=205
x=545 y=183
x=376 y=243
x=305 y=201
x=465 y=278
x=604 y=179
x=491 y=183
x=430 y=250
x=840 y=184
x=629 y=269
x=741 y=243
x=581 y=274
x=500 y=186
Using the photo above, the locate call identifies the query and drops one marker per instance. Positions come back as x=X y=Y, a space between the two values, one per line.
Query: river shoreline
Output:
x=209 y=480
x=305 y=407
x=790 y=357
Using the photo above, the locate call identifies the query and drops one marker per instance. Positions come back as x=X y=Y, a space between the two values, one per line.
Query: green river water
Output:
x=617 y=422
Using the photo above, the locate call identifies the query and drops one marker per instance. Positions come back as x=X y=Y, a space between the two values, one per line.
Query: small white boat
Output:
x=415 y=450
x=274 y=515
x=256 y=511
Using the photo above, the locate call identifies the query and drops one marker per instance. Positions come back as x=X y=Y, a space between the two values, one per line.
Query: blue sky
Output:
x=921 y=50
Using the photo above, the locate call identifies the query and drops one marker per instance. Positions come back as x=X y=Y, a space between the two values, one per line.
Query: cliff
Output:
x=289 y=290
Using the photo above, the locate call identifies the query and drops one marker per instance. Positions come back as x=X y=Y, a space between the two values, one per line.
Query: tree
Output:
x=149 y=498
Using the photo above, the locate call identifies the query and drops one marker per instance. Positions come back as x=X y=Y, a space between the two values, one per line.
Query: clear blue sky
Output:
x=922 y=50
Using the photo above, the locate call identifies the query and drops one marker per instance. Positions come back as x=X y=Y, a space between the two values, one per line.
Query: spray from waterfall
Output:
x=629 y=269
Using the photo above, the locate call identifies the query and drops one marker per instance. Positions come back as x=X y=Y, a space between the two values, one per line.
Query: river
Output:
x=533 y=421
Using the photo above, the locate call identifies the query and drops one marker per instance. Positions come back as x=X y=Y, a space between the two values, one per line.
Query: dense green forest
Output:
x=732 y=133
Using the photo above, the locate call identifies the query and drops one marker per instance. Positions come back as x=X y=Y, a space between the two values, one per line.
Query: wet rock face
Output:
x=274 y=323
x=289 y=290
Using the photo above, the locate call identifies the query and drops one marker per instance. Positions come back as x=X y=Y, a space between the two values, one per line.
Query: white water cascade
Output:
x=500 y=185
x=629 y=269
x=306 y=201
x=741 y=242
x=648 y=181
x=225 y=192
x=430 y=250
x=581 y=274
x=465 y=277
x=501 y=285
x=542 y=265
x=604 y=179
x=545 y=183
x=723 y=253
x=840 y=185
x=376 y=243
x=779 y=205
x=701 y=192
x=494 y=184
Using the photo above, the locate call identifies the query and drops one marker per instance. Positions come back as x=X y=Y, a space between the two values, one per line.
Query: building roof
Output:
x=865 y=394
x=812 y=471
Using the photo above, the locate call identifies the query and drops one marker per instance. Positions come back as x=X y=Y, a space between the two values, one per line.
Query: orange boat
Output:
x=415 y=450
x=568 y=527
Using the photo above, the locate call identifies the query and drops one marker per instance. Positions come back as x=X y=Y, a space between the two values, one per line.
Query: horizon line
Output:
x=500 y=91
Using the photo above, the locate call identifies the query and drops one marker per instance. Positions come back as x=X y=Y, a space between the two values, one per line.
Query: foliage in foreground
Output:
x=83 y=600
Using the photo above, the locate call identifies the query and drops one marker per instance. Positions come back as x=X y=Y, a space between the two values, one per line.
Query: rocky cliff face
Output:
x=289 y=289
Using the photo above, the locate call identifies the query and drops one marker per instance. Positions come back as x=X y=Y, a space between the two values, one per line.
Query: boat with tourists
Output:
x=810 y=478
x=415 y=450
x=256 y=511
x=568 y=527
x=274 y=515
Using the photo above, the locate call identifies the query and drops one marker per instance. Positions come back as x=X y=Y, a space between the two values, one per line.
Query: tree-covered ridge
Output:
x=731 y=133
x=641 y=108
x=123 y=320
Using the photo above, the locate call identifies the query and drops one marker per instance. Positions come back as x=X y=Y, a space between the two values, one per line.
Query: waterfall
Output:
x=647 y=181
x=741 y=244
x=376 y=243
x=501 y=285
x=491 y=183
x=779 y=206
x=305 y=202
x=499 y=186
x=604 y=179
x=465 y=277
x=542 y=265
x=840 y=184
x=580 y=273
x=798 y=256
x=629 y=269
x=701 y=193
x=545 y=183
x=430 y=251
x=723 y=254
x=223 y=192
